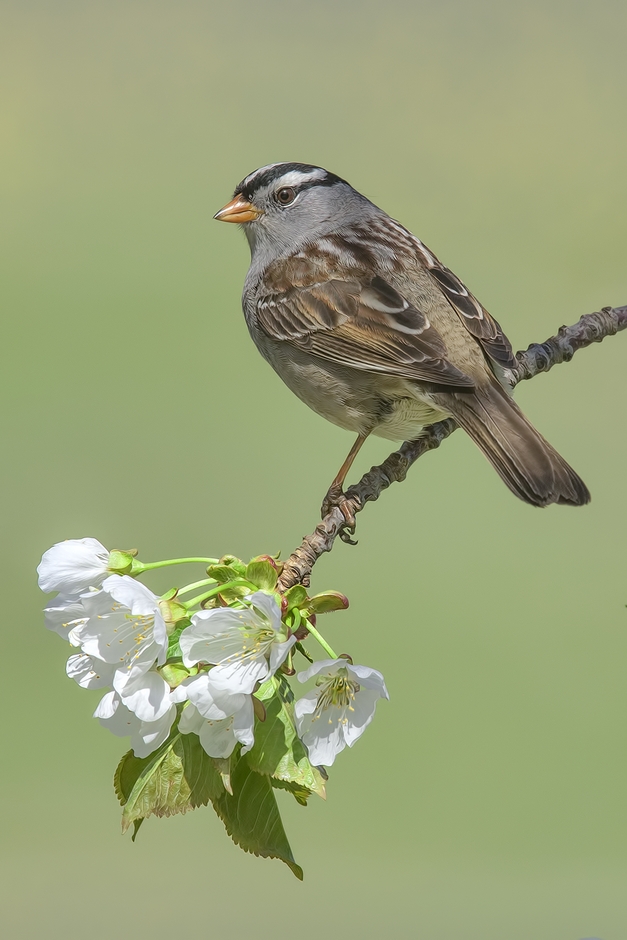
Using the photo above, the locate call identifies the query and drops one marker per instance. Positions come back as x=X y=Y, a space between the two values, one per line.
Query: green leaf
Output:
x=200 y=771
x=296 y=596
x=301 y=649
x=278 y=751
x=328 y=601
x=300 y=794
x=174 y=650
x=263 y=572
x=177 y=777
x=251 y=817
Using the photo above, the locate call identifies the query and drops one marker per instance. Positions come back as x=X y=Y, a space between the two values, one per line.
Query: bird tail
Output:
x=527 y=463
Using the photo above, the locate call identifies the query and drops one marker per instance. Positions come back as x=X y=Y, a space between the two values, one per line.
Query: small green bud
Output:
x=172 y=612
x=328 y=601
x=121 y=562
x=296 y=596
x=223 y=573
x=263 y=571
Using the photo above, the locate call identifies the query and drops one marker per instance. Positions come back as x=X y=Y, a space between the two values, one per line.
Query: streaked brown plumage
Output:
x=370 y=330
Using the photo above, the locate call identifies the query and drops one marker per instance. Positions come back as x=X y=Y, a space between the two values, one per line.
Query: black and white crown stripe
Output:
x=297 y=175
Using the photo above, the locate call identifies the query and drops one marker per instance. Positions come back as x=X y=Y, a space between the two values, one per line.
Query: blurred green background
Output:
x=487 y=801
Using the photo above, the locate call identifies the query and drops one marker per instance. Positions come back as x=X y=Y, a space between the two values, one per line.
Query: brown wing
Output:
x=363 y=324
x=475 y=318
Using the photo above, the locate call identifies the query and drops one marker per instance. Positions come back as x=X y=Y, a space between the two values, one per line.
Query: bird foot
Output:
x=336 y=498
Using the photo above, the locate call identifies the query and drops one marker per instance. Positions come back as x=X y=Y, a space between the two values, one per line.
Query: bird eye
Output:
x=285 y=196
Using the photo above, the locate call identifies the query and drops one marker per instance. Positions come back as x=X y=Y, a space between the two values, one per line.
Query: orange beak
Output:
x=238 y=210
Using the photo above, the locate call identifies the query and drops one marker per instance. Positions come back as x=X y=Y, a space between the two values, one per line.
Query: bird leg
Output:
x=335 y=497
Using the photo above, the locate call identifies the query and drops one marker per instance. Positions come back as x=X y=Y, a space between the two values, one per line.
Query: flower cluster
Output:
x=226 y=654
x=208 y=675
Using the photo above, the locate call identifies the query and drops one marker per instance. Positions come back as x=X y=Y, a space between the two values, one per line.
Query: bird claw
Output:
x=337 y=499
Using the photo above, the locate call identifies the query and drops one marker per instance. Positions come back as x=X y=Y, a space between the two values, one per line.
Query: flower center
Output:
x=338 y=692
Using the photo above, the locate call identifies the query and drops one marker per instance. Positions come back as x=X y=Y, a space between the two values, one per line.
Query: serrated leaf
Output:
x=263 y=572
x=278 y=751
x=328 y=601
x=179 y=776
x=300 y=794
x=251 y=817
x=200 y=771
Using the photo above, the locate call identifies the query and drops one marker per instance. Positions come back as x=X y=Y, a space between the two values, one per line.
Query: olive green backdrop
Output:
x=487 y=801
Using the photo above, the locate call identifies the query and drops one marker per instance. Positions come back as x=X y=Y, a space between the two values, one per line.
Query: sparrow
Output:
x=366 y=326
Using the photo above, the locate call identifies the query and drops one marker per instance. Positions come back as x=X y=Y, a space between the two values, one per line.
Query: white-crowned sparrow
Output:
x=370 y=330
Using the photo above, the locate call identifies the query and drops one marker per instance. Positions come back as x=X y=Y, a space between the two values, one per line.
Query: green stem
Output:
x=321 y=640
x=239 y=582
x=141 y=566
x=194 y=585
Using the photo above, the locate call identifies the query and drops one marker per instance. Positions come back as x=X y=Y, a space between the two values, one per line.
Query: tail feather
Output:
x=530 y=467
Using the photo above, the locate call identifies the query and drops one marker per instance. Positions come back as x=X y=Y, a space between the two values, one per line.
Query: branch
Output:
x=539 y=357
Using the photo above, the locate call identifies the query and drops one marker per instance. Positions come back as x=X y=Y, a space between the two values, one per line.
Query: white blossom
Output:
x=124 y=627
x=247 y=646
x=218 y=736
x=89 y=673
x=64 y=615
x=337 y=712
x=146 y=736
x=73 y=566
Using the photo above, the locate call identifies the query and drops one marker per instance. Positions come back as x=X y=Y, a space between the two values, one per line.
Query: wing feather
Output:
x=363 y=323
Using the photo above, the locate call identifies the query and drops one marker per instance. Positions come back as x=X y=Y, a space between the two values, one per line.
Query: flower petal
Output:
x=89 y=673
x=357 y=720
x=199 y=692
x=151 y=700
x=368 y=678
x=107 y=706
x=219 y=634
x=152 y=734
x=240 y=677
x=329 y=666
x=278 y=653
x=322 y=734
x=73 y=566
x=64 y=614
x=190 y=721
x=267 y=605
x=244 y=724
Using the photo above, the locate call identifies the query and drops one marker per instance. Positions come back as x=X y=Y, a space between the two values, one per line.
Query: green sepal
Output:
x=234 y=562
x=328 y=601
x=278 y=751
x=172 y=612
x=224 y=573
x=121 y=562
x=251 y=817
x=296 y=596
x=175 y=673
x=263 y=571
